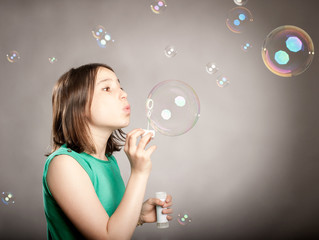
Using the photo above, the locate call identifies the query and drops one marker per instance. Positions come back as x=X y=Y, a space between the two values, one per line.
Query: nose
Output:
x=123 y=95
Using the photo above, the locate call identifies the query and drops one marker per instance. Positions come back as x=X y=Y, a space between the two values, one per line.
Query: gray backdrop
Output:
x=249 y=167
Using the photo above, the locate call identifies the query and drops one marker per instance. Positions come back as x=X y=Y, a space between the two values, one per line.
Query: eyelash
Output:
x=108 y=88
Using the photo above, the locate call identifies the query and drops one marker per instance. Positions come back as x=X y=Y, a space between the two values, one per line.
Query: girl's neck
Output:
x=100 y=139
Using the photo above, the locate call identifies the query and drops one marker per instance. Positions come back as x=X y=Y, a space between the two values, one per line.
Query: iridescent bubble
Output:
x=246 y=46
x=239 y=19
x=287 y=51
x=98 y=31
x=52 y=60
x=211 y=68
x=13 y=56
x=184 y=218
x=103 y=38
x=170 y=51
x=172 y=107
x=158 y=6
x=222 y=81
x=7 y=198
x=240 y=2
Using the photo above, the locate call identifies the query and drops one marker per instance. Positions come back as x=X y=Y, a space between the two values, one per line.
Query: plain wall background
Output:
x=249 y=167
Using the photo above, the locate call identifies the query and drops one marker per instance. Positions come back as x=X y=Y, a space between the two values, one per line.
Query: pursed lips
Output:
x=127 y=108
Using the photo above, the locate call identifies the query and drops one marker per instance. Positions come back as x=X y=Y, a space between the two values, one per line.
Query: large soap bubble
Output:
x=172 y=107
x=287 y=51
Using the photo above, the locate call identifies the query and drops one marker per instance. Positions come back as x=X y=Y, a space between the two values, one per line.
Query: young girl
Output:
x=83 y=192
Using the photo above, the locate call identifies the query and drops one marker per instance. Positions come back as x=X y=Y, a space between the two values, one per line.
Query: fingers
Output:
x=166 y=205
x=167 y=211
x=168 y=202
x=131 y=138
x=150 y=150
x=144 y=141
x=168 y=198
x=157 y=202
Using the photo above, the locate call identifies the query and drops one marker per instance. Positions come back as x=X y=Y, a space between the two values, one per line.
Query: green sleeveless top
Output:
x=107 y=182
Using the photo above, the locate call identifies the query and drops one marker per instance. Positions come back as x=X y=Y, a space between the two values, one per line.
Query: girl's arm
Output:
x=72 y=188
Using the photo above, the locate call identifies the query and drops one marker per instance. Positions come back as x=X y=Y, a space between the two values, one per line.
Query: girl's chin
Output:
x=125 y=124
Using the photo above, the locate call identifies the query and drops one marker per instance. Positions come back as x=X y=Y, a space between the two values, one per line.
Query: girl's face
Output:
x=110 y=108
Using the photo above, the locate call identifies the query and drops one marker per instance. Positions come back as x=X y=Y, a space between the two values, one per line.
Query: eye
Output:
x=107 y=89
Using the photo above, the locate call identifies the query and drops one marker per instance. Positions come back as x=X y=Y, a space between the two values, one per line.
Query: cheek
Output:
x=104 y=112
x=97 y=111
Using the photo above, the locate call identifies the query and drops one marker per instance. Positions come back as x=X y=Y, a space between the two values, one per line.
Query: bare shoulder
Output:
x=73 y=190
x=62 y=164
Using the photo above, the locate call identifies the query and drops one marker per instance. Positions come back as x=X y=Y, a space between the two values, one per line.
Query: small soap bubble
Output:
x=184 y=218
x=7 y=198
x=211 y=68
x=246 y=46
x=239 y=19
x=240 y=2
x=52 y=60
x=103 y=38
x=98 y=31
x=172 y=108
x=170 y=51
x=287 y=51
x=158 y=6
x=13 y=56
x=222 y=81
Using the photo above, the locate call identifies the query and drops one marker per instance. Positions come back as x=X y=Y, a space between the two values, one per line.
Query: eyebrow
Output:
x=107 y=79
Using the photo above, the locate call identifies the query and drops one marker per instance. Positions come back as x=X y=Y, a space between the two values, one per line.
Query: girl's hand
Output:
x=139 y=157
x=148 y=212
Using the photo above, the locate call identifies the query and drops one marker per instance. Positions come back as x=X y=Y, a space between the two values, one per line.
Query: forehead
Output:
x=104 y=73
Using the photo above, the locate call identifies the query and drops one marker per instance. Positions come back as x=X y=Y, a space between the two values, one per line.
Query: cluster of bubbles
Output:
x=102 y=37
x=7 y=198
x=221 y=79
x=172 y=107
x=13 y=56
x=170 y=51
x=158 y=6
x=184 y=218
x=239 y=19
x=287 y=51
x=246 y=46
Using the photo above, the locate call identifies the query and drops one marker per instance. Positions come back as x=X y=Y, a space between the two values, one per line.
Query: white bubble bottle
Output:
x=162 y=221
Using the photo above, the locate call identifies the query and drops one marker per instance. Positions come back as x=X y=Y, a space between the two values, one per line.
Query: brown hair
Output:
x=72 y=96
